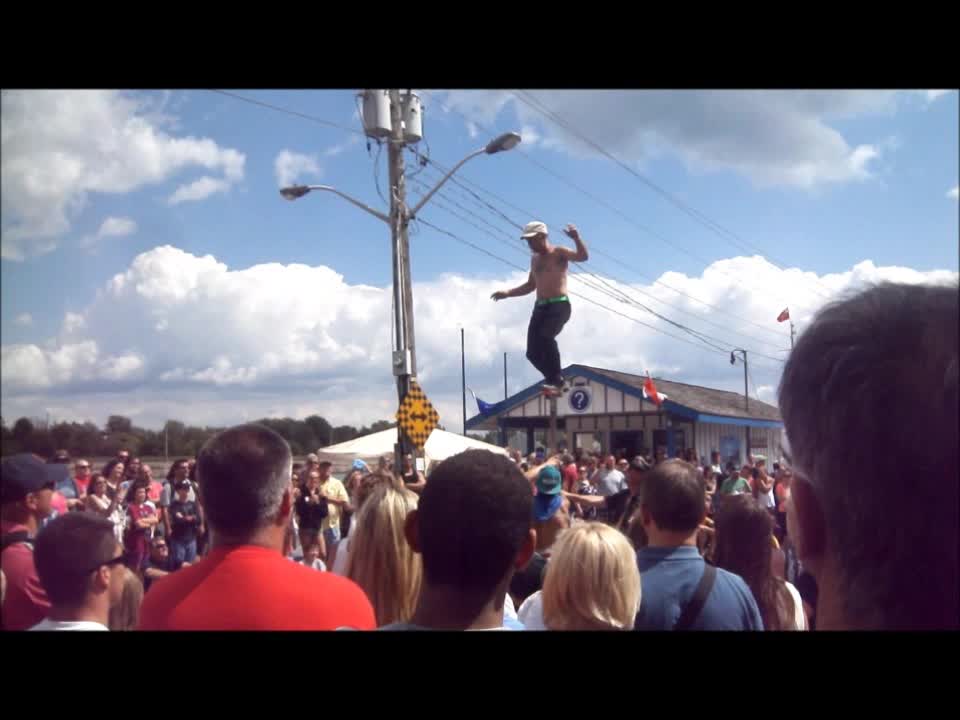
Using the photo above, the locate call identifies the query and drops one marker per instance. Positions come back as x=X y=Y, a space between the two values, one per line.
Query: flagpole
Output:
x=504 y=376
x=463 y=380
x=791 y=334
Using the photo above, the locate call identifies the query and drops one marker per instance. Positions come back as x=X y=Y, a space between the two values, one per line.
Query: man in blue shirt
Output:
x=671 y=569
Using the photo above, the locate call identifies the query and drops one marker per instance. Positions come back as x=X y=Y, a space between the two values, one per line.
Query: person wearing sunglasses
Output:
x=81 y=568
x=158 y=564
x=82 y=477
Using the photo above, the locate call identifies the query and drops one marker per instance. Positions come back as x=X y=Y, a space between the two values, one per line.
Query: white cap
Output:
x=534 y=228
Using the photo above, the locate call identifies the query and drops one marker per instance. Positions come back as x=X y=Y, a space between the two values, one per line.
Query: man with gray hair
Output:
x=869 y=401
x=245 y=582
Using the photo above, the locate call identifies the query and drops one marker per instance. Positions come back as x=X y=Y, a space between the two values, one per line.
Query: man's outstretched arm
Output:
x=581 y=254
x=528 y=287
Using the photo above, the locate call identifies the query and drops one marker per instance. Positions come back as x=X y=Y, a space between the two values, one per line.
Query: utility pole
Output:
x=746 y=390
x=397 y=136
x=404 y=361
x=746 y=387
x=733 y=361
x=463 y=379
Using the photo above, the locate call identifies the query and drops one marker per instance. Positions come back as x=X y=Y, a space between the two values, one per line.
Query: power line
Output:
x=613 y=209
x=624 y=297
x=424 y=188
x=608 y=291
x=701 y=346
x=699 y=336
x=720 y=230
x=295 y=113
x=376 y=173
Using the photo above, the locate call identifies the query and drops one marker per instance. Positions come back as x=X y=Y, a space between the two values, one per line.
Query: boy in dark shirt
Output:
x=184 y=524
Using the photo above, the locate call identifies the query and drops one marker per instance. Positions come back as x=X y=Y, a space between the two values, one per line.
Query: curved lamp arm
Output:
x=298 y=191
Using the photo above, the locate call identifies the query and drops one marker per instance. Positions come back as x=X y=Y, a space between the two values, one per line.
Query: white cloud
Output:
x=530 y=135
x=58 y=146
x=73 y=322
x=198 y=190
x=934 y=94
x=290 y=166
x=24 y=320
x=111 y=227
x=29 y=367
x=774 y=138
x=117 y=227
x=235 y=344
x=339 y=148
x=954 y=192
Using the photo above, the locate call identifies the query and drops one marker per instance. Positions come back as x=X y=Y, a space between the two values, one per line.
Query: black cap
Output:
x=640 y=464
x=23 y=474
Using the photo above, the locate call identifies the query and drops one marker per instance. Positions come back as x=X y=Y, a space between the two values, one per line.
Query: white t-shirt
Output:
x=49 y=624
x=531 y=612
x=609 y=482
x=318 y=564
x=509 y=609
x=343 y=553
x=799 y=618
x=767 y=500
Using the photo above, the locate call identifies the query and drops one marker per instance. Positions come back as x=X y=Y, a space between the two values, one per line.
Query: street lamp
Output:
x=505 y=142
x=298 y=191
x=398 y=219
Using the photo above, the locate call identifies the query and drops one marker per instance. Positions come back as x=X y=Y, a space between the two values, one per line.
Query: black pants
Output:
x=545 y=324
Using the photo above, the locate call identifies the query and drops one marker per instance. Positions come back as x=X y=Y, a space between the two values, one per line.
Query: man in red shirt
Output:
x=245 y=582
x=82 y=478
x=571 y=476
x=26 y=492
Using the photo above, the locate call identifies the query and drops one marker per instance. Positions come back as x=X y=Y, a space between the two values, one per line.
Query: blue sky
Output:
x=822 y=181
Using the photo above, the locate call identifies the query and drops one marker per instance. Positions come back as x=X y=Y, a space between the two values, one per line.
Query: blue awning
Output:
x=743 y=422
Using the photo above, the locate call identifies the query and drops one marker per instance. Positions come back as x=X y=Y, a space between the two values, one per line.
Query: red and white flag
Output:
x=785 y=315
x=650 y=391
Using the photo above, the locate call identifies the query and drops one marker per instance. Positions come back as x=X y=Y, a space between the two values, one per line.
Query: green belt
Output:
x=550 y=301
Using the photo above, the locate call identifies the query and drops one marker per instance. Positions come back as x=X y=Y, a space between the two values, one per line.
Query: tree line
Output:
x=175 y=439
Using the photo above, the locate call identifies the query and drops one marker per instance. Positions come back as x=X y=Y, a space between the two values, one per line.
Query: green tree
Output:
x=380 y=426
x=62 y=435
x=87 y=440
x=322 y=431
x=343 y=433
x=119 y=424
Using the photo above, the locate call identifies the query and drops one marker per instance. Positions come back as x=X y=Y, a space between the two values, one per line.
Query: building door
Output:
x=626 y=443
x=730 y=448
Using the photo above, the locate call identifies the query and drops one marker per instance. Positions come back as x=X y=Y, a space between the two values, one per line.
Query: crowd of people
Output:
x=853 y=528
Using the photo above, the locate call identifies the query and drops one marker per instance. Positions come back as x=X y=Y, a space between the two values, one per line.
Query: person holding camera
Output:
x=312 y=510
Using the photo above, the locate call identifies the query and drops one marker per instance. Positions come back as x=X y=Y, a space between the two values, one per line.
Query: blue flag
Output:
x=484 y=408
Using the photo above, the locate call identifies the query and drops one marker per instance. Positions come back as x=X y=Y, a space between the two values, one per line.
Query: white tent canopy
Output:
x=440 y=445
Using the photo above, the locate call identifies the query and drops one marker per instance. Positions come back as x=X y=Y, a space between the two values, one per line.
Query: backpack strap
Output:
x=695 y=605
x=21 y=536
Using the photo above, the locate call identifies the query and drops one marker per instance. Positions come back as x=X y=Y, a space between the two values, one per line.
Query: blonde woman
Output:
x=126 y=614
x=381 y=561
x=592 y=583
x=364 y=487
